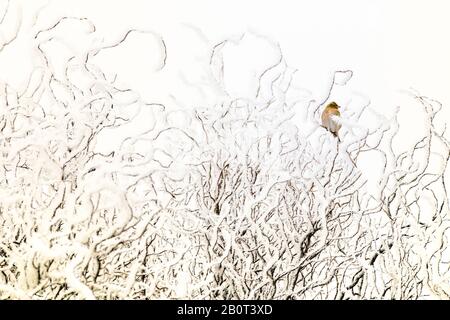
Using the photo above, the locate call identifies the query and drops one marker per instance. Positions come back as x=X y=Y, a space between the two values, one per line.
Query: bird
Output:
x=333 y=125
x=332 y=109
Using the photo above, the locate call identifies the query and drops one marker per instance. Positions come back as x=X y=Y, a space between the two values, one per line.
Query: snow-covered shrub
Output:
x=245 y=198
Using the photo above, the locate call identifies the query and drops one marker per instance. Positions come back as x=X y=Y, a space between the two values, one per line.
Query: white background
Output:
x=390 y=45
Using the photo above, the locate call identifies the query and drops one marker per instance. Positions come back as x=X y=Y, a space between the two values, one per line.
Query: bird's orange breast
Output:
x=328 y=112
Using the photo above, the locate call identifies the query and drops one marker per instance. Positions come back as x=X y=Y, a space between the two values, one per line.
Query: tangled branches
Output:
x=233 y=201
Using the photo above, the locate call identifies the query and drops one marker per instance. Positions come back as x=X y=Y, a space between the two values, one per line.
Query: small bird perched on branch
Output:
x=331 y=122
x=332 y=109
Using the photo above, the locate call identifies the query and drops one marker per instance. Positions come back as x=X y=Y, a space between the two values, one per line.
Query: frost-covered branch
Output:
x=228 y=200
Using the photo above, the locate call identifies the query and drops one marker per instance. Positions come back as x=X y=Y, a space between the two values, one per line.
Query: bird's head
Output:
x=333 y=105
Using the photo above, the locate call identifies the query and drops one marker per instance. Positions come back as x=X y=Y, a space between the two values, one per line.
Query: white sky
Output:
x=397 y=43
x=390 y=45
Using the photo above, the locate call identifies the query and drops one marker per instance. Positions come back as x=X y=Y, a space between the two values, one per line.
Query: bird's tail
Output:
x=337 y=136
